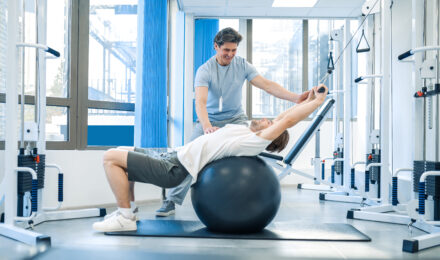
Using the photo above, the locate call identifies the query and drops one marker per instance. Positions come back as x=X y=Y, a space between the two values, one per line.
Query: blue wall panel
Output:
x=204 y=33
x=151 y=89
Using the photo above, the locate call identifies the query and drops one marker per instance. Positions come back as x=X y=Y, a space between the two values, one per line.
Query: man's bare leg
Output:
x=131 y=149
x=115 y=165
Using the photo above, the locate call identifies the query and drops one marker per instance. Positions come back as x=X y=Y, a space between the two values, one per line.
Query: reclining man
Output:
x=124 y=166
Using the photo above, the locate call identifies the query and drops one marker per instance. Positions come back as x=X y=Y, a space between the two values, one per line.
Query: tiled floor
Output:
x=74 y=239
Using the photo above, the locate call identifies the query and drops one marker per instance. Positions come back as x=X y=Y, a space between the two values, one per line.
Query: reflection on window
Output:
x=110 y=127
x=3 y=47
x=56 y=123
x=112 y=50
x=233 y=23
x=318 y=51
x=277 y=55
x=2 y=121
x=58 y=39
x=30 y=54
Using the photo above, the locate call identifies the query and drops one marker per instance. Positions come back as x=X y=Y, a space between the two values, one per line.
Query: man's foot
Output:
x=136 y=210
x=168 y=208
x=117 y=222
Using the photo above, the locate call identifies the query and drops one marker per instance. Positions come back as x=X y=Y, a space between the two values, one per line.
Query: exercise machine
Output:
x=24 y=174
x=285 y=165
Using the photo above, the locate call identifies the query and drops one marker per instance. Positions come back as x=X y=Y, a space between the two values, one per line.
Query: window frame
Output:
x=81 y=80
x=77 y=101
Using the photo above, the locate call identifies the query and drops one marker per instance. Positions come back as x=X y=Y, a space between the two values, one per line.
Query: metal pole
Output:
x=385 y=119
x=369 y=87
x=347 y=104
x=11 y=139
x=23 y=52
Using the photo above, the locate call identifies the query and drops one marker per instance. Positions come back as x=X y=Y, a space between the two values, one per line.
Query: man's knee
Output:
x=112 y=157
x=127 y=148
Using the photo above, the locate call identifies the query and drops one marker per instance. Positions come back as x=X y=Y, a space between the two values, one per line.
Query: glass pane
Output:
x=28 y=62
x=57 y=123
x=112 y=50
x=318 y=51
x=110 y=127
x=58 y=39
x=2 y=121
x=3 y=46
x=277 y=55
x=233 y=23
x=29 y=114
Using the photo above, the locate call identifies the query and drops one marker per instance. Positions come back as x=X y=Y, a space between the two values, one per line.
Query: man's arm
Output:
x=202 y=112
x=294 y=114
x=277 y=90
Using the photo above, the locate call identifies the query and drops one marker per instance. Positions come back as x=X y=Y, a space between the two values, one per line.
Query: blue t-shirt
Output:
x=226 y=82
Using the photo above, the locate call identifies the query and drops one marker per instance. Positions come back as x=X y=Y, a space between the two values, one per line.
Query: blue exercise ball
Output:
x=236 y=195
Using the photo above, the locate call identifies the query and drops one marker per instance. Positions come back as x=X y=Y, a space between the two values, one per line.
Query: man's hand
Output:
x=318 y=93
x=321 y=92
x=311 y=95
x=210 y=129
x=302 y=97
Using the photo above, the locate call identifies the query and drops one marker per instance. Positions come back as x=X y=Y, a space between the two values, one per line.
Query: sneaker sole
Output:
x=165 y=214
x=115 y=230
x=137 y=218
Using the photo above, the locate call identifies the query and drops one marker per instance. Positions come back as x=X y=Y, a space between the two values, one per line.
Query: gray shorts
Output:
x=160 y=169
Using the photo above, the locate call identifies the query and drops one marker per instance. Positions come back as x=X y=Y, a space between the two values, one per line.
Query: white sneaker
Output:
x=136 y=210
x=116 y=223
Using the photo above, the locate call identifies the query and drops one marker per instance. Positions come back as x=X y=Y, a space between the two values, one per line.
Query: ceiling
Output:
x=263 y=8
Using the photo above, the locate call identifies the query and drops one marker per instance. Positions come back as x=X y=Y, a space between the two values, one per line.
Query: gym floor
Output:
x=75 y=239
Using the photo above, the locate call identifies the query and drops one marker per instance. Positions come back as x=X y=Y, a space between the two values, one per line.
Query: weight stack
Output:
x=24 y=179
x=432 y=182
x=339 y=165
x=375 y=170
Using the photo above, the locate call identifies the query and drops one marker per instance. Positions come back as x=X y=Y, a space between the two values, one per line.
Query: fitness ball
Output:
x=236 y=195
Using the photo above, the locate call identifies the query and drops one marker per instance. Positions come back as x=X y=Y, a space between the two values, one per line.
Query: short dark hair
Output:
x=279 y=143
x=227 y=35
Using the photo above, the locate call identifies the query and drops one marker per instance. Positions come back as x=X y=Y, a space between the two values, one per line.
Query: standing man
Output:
x=218 y=90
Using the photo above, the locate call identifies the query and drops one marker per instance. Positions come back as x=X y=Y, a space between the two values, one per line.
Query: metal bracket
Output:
x=368 y=5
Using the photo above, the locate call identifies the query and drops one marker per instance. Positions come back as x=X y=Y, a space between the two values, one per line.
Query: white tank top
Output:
x=230 y=140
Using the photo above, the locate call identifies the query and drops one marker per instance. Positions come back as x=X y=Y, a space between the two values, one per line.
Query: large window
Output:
x=91 y=87
x=56 y=70
x=57 y=73
x=277 y=52
x=112 y=71
x=277 y=55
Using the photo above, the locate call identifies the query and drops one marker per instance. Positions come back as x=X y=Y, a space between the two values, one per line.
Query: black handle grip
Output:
x=356 y=80
x=405 y=55
x=53 y=52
